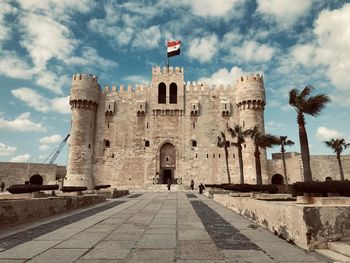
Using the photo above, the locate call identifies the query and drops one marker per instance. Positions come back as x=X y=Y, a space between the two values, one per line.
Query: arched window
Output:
x=162 y=93
x=107 y=144
x=146 y=143
x=173 y=93
x=194 y=143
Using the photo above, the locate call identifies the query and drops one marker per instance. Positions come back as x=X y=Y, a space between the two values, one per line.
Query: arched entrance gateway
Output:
x=167 y=163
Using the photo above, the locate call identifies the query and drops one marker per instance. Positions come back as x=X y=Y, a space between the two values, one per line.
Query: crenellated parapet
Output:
x=250 y=92
x=85 y=91
x=167 y=70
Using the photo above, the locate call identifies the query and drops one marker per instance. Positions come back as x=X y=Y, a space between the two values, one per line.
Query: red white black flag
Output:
x=174 y=48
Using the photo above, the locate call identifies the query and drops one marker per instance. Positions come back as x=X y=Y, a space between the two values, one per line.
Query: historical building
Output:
x=134 y=137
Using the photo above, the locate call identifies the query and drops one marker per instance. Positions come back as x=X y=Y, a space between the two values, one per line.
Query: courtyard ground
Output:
x=148 y=227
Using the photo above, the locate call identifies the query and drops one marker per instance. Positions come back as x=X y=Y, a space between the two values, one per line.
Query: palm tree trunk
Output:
x=340 y=167
x=240 y=158
x=227 y=168
x=257 y=165
x=284 y=165
x=284 y=169
x=304 y=148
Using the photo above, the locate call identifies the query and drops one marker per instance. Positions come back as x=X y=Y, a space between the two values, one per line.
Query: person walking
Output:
x=169 y=184
x=192 y=184
x=201 y=188
x=2 y=186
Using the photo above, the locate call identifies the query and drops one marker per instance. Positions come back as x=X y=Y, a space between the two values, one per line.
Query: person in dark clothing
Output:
x=192 y=184
x=169 y=184
x=201 y=188
x=2 y=186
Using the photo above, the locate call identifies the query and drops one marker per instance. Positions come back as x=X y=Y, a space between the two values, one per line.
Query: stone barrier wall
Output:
x=13 y=212
x=309 y=226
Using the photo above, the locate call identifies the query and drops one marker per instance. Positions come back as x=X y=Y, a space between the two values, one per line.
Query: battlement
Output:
x=138 y=88
x=84 y=76
x=165 y=70
x=249 y=78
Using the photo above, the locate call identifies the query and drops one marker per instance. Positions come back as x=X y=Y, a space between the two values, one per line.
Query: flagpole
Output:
x=167 y=42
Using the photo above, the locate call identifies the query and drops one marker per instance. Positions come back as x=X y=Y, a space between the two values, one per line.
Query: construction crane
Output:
x=56 y=151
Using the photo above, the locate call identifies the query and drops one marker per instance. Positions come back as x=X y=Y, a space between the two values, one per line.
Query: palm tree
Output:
x=223 y=143
x=283 y=141
x=303 y=103
x=260 y=140
x=338 y=145
x=237 y=132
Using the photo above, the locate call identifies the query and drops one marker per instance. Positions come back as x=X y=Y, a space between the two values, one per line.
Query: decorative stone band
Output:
x=251 y=104
x=83 y=104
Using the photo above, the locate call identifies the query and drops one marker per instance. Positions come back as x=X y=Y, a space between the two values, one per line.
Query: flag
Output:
x=174 y=48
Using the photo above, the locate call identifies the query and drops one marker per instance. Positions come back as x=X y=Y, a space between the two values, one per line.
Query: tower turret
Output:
x=84 y=98
x=250 y=100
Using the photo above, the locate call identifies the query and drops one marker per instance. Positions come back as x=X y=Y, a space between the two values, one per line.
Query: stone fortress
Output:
x=134 y=138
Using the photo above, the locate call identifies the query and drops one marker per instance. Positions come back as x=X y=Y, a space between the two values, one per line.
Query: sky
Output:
x=292 y=43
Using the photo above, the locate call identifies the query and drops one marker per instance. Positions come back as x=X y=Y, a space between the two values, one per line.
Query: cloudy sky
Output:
x=292 y=43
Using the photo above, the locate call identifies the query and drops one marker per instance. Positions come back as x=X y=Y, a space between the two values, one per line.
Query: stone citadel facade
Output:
x=134 y=138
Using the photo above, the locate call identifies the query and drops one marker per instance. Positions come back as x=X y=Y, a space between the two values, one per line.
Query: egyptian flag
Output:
x=174 y=48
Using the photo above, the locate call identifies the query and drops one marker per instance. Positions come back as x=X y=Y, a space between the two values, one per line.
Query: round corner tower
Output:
x=84 y=96
x=250 y=100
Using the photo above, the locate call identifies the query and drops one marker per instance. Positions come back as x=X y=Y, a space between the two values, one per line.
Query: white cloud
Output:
x=329 y=50
x=148 y=38
x=5 y=29
x=44 y=147
x=32 y=98
x=6 y=150
x=14 y=67
x=209 y=7
x=230 y=39
x=273 y=126
x=90 y=57
x=224 y=77
x=284 y=12
x=22 y=124
x=21 y=158
x=253 y=51
x=55 y=138
x=45 y=38
x=40 y=103
x=324 y=134
x=203 y=48
x=60 y=105
x=137 y=79
x=57 y=9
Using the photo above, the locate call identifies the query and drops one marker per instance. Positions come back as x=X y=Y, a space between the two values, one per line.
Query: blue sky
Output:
x=292 y=43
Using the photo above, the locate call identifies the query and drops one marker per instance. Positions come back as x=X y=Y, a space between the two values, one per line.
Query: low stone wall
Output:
x=17 y=211
x=309 y=226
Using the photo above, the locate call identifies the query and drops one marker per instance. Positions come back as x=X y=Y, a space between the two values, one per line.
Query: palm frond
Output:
x=315 y=104
x=306 y=92
x=293 y=95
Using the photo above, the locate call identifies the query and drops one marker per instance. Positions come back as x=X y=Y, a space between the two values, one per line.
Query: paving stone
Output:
x=27 y=250
x=11 y=261
x=152 y=256
x=245 y=256
x=35 y=232
x=285 y=252
x=86 y=240
x=110 y=250
x=222 y=232
x=60 y=234
x=194 y=235
x=160 y=241
x=59 y=256
x=189 y=249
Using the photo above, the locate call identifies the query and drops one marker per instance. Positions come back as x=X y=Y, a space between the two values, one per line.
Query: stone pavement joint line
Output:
x=222 y=232
x=191 y=196
x=134 y=196
x=32 y=233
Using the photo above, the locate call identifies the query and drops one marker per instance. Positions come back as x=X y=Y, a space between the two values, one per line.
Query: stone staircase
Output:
x=164 y=188
x=337 y=251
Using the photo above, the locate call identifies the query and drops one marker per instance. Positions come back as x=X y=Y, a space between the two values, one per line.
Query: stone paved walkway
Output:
x=153 y=227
